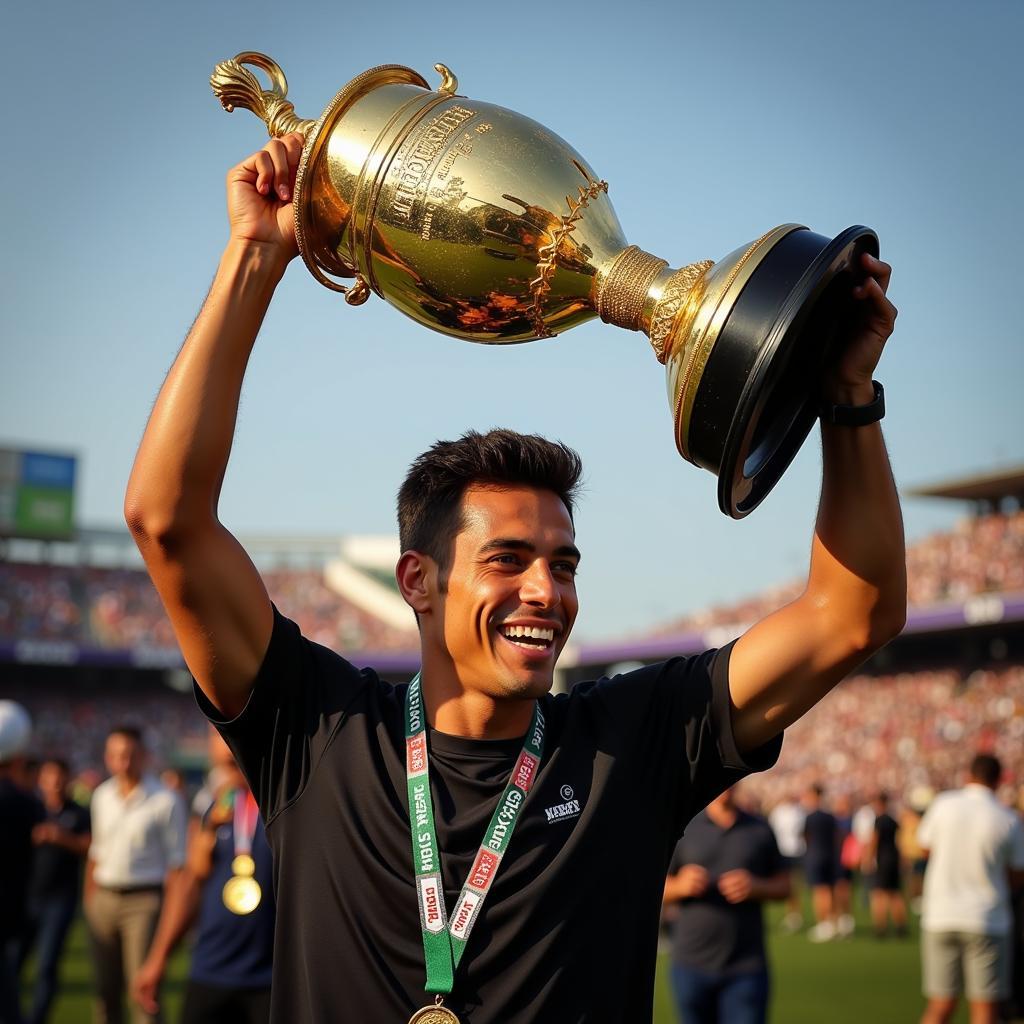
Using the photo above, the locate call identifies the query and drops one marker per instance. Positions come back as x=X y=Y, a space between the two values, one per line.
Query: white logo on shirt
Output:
x=570 y=808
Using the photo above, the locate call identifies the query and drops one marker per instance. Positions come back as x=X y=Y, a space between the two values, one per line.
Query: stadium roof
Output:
x=988 y=487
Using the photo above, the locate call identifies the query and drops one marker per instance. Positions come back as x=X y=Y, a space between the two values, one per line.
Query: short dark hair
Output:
x=987 y=770
x=430 y=498
x=62 y=763
x=133 y=732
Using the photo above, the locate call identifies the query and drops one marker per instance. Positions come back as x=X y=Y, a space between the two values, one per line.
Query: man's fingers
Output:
x=278 y=153
x=876 y=268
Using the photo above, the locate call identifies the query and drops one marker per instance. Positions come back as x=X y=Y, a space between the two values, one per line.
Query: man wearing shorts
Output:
x=975 y=849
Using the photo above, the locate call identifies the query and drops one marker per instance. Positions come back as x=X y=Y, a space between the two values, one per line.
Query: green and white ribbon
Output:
x=445 y=941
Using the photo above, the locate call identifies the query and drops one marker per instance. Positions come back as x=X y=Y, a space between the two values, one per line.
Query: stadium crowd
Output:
x=118 y=609
x=980 y=555
x=904 y=734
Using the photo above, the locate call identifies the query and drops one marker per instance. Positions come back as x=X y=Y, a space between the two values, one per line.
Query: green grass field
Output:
x=853 y=981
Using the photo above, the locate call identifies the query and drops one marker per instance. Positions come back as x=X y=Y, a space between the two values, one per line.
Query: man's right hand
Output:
x=259 y=192
x=693 y=881
x=146 y=984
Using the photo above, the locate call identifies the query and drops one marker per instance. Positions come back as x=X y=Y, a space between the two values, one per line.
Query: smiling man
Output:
x=469 y=846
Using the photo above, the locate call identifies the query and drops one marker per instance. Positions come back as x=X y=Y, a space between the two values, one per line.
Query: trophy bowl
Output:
x=482 y=224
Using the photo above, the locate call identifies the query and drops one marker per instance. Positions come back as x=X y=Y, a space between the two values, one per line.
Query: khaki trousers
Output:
x=121 y=927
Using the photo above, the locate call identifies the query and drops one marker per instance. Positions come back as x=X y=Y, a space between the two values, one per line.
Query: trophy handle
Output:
x=236 y=86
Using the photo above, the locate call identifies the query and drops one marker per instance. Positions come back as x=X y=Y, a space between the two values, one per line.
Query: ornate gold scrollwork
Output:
x=236 y=86
x=540 y=286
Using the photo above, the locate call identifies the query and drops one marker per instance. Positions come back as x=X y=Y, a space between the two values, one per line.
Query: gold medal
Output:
x=243 y=865
x=436 y=1014
x=241 y=894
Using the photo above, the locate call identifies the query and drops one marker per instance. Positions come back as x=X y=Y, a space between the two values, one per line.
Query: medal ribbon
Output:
x=246 y=813
x=444 y=942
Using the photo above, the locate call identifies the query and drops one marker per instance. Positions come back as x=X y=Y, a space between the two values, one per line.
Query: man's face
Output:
x=53 y=781
x=123 y=756
x=511 y=596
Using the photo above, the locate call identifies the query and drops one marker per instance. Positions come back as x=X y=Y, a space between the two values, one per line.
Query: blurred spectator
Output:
x=821 y=861
x=230 y=968
x=138 y=848
x=725 y=866
x=20 y=812
x=787 y=823
x=882 y=865
x=61 y=842
x=975 y=851
x=849 y=861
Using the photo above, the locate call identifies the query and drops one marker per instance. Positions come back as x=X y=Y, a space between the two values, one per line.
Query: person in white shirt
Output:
x=787 y=822
x=975 y=850
x=138 y=846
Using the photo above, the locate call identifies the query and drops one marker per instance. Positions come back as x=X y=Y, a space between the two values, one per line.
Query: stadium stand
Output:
x=84 y=644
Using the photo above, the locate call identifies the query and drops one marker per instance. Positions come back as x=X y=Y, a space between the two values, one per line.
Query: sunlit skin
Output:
x=513 y=564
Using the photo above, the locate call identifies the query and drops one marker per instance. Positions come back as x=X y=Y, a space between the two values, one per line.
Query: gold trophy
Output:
x=481 y=223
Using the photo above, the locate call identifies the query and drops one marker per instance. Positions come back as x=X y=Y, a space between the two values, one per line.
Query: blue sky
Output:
x=711 y=124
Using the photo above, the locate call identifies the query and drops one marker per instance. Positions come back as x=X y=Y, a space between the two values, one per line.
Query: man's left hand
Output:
x=872 y=319
x=736 y=886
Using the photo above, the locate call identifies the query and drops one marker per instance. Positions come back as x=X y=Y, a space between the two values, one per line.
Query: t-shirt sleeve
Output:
x=297 y=703
x=673 y=723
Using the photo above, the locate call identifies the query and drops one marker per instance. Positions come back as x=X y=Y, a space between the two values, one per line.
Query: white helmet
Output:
x=15 y=730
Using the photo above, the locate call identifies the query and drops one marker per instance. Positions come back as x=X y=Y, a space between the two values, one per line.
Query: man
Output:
x=20 y=813
x=882 y=860
x=229 y=972
x=725 y=866
x=975 y=851
x=787 y=822
x=61 y=844
x=821 y=862
x=138 y=848
x=558 y=915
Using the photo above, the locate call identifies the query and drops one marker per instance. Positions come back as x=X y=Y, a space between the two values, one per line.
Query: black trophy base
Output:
x=758 y=395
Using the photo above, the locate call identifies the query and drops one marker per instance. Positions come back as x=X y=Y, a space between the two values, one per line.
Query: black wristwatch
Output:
x=855 y=415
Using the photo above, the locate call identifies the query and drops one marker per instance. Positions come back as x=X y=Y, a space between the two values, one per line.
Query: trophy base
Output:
x=762 y=377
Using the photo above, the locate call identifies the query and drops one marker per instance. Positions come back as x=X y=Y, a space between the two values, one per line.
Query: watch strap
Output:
x=855 y=415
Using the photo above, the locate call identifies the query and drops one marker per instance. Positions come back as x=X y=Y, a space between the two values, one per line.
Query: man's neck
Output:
x=54 y=802
x=454 y=710
x=126 y=783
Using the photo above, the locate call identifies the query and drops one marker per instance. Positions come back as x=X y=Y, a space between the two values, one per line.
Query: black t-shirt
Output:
x=20 y=812
x=569 y=929
x=55 y=869
x=821 y=837
x=712 y=934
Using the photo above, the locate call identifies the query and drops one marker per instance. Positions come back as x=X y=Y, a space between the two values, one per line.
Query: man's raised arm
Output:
x=213 y=594
x=856 y=596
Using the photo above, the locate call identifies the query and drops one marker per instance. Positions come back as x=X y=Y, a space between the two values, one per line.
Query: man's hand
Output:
x=146 y=984
x=873 y=317
x=692 y=882
x=260 y=192
x=47 y=832
x=736 y=886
